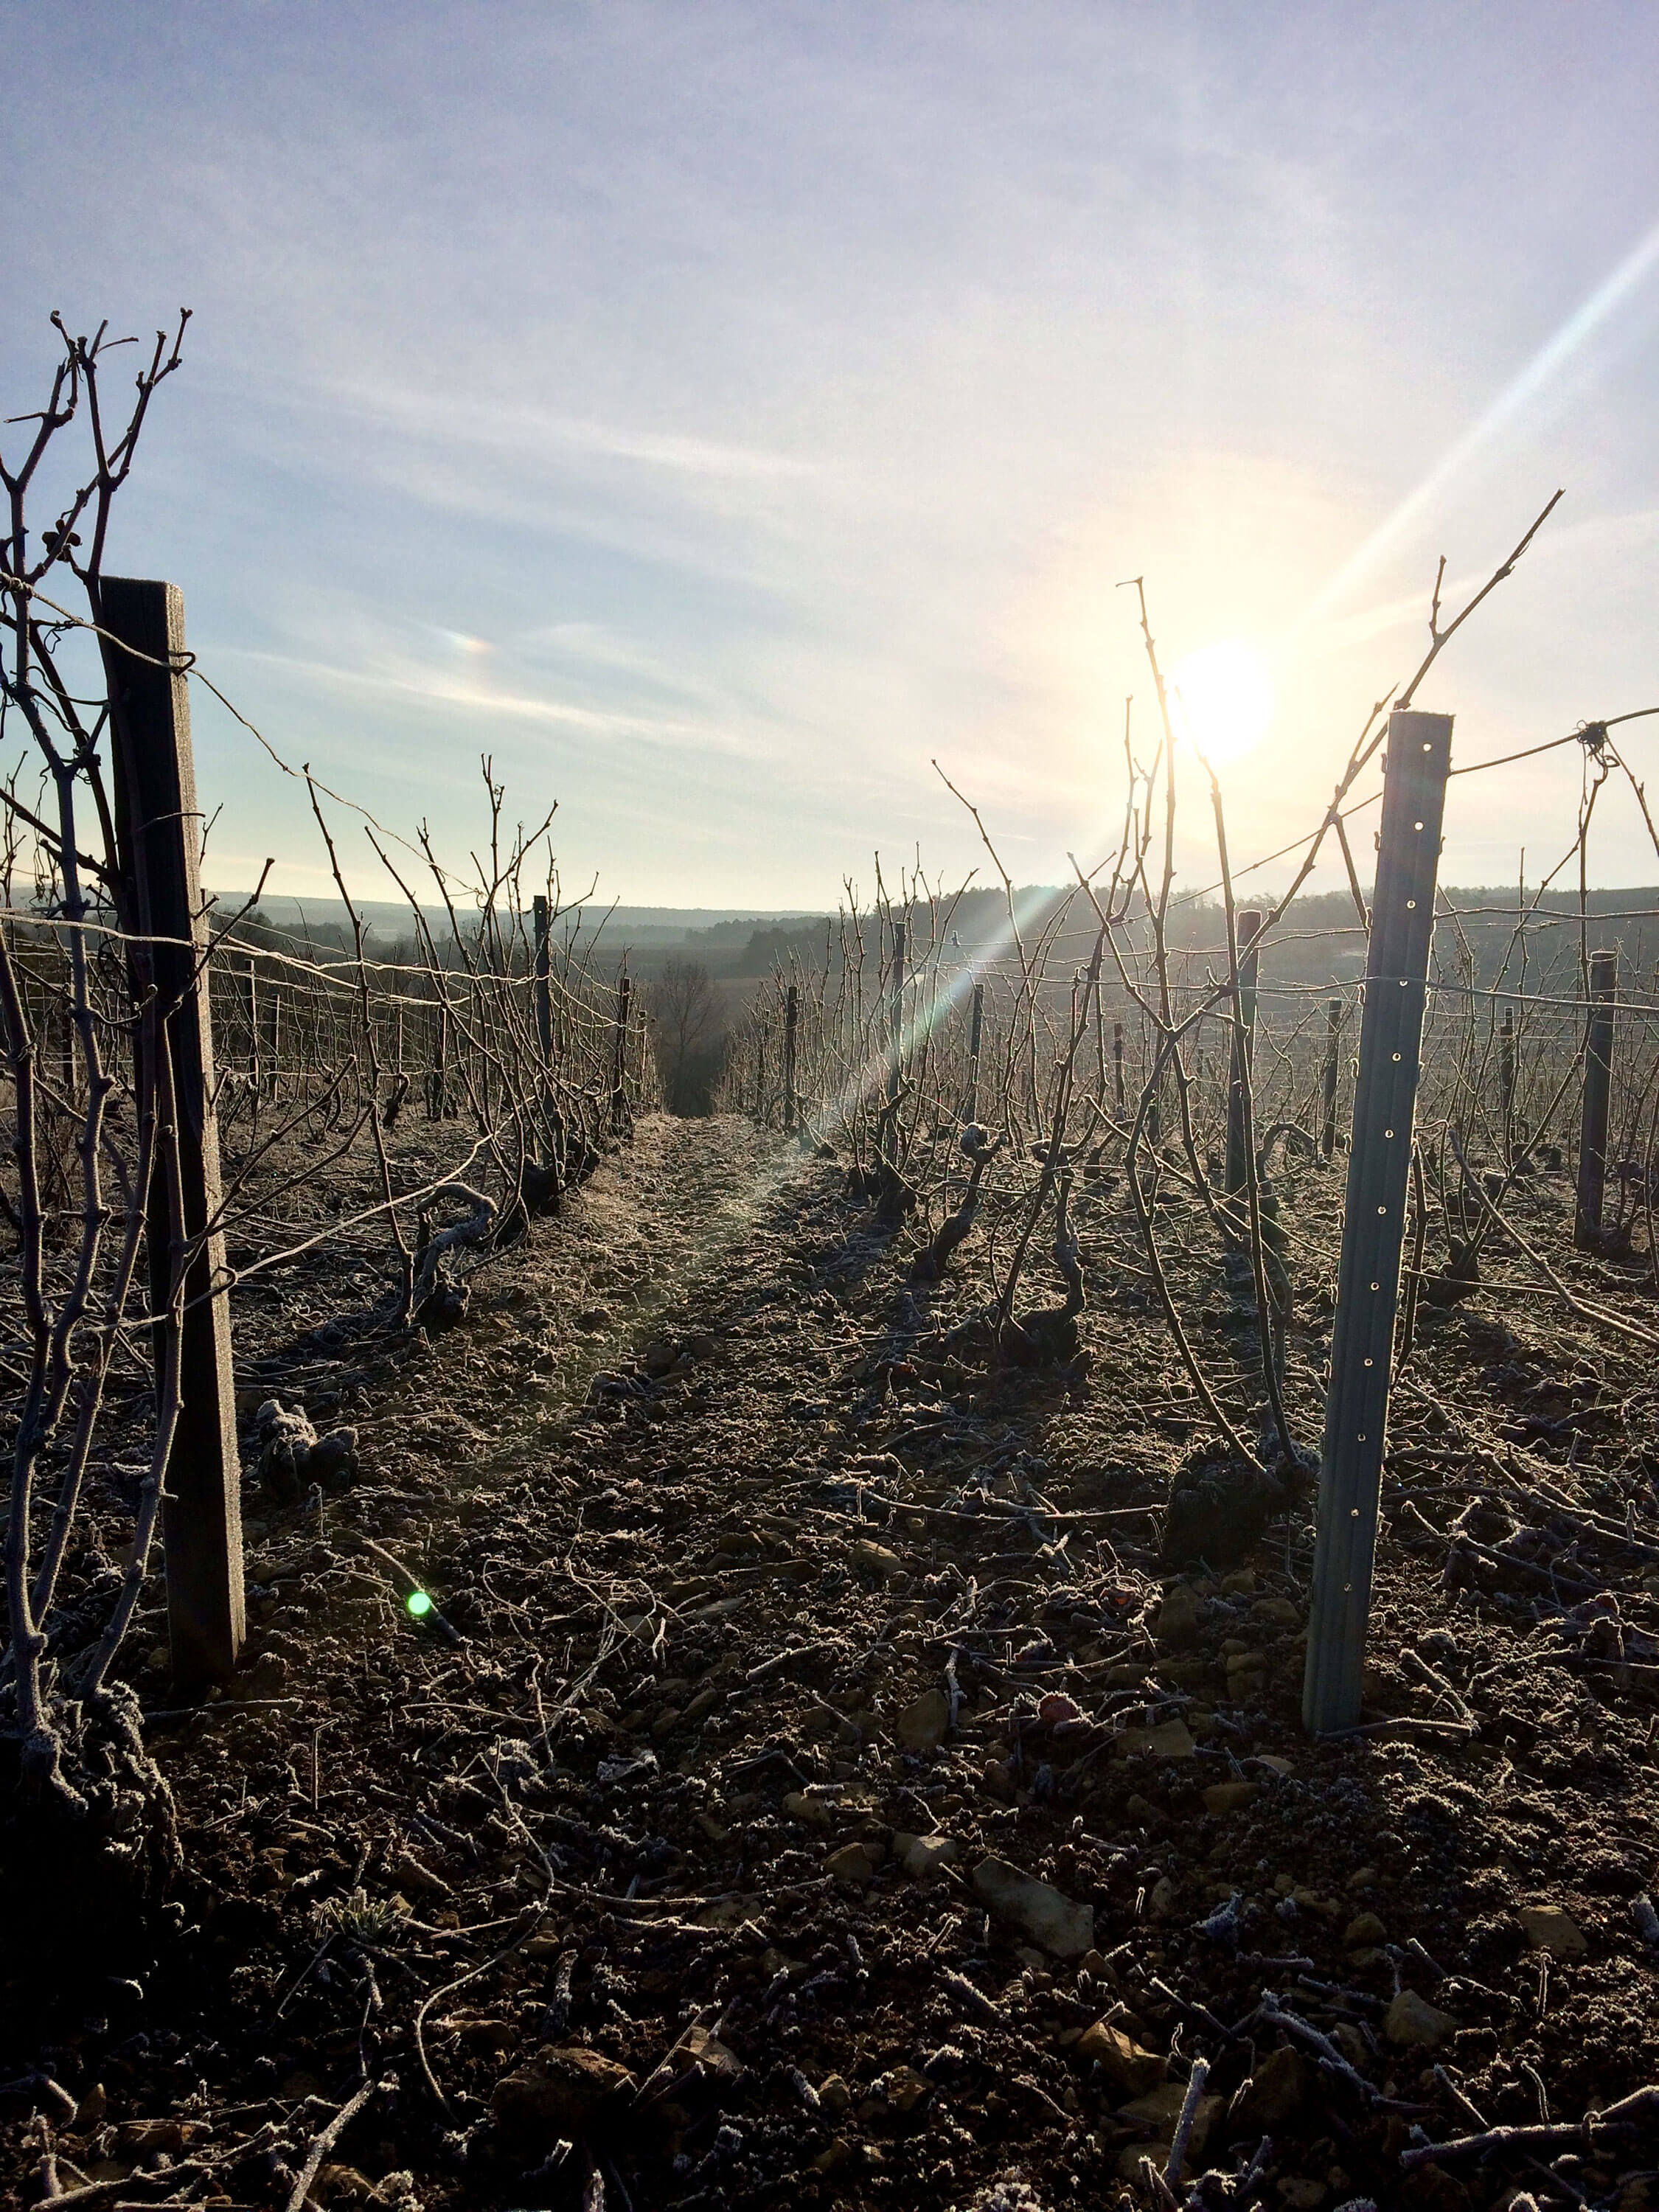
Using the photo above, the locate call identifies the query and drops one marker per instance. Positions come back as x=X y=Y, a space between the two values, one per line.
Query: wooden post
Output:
x=975 y=1031
x=791 y=1024
x=156 y=826
x=252 y=1022
x=543 y=979
x=1154 y=1123
x=437 y=1080
x=1598 y=1090
x=619 y=1059
x=896 y=1017
x=1117 y=1066
x=1506 y=1082
x=68 y=1044
x=894 y=1055
x=1242 y=1056
x=1333 y=1033
x=1379 y=1162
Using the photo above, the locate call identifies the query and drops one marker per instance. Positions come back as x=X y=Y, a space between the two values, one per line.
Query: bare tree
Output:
x=685 y=1013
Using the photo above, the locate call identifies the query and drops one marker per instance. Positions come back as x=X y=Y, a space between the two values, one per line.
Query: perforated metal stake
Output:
x=1379 y=1162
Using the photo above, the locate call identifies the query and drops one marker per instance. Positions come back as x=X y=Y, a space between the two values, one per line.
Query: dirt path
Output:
x=823 y=1799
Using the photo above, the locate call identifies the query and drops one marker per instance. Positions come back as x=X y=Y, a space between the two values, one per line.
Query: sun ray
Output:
x=1580 y=325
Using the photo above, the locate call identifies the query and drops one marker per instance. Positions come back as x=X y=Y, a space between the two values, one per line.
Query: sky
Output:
x=718 y=414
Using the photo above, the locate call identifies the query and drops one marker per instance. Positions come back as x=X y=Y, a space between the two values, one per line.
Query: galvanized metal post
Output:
x=1379 y=1164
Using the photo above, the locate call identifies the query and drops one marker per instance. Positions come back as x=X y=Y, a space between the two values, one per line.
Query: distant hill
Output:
x=1319 y=941
x=657 y=926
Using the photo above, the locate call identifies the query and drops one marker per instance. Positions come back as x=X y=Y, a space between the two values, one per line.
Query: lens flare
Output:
x=419 y=1604
x=1221 y=698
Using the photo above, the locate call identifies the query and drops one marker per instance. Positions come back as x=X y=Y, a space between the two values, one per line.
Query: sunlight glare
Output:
x=1221 y=698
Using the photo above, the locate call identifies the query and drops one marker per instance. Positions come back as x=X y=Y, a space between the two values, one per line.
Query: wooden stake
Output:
x=437 y=1082
x=1379 y=1164
x=895 y=1054
x=1333 y=1031
x=976 y=1027
x=619 y=1061
x=1506 y=1081
x=543 y=979
x=1598 y=1090
x=896 y=1018
x=252 y=1022
x=156 y=826
x=791 y=1023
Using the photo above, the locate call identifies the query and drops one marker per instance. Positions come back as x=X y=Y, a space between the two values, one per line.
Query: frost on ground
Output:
x=811 y=1787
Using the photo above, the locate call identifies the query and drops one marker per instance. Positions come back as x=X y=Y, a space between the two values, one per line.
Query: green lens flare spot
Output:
x=419 y=1604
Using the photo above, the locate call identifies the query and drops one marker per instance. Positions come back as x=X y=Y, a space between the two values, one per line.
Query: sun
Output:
x=1221 y=698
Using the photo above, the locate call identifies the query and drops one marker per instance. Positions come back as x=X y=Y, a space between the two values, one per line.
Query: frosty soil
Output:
x=831 y=1795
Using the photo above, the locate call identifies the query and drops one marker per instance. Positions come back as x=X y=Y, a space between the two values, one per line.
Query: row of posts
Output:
x=1401 y=930
x=142 y=632
x=1374 y=1220
x=156 y=820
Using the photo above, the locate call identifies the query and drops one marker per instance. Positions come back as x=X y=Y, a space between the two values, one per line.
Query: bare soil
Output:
x=672 y=1859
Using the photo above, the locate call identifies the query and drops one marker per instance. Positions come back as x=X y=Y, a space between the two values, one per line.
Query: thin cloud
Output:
x=1602 y=534
x=520 y=432
x=425 y=687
